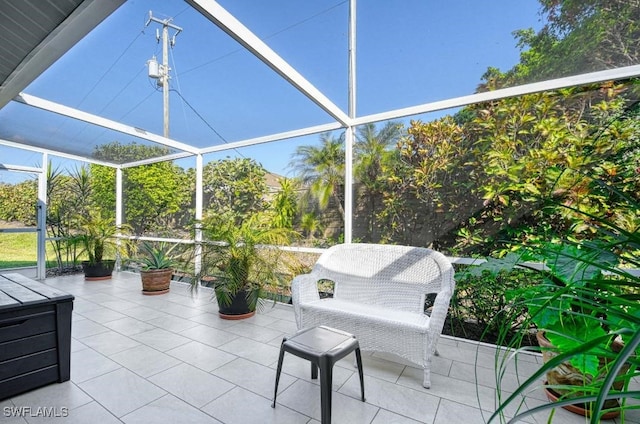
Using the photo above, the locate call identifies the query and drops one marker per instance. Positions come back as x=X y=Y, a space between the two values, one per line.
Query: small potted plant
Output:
x=97 y=239
x=157 y=267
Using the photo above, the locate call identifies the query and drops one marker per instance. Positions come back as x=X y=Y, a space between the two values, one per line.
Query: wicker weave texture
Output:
x=379 y=296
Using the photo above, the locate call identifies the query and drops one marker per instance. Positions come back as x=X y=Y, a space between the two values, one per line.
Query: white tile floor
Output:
x=170 y=359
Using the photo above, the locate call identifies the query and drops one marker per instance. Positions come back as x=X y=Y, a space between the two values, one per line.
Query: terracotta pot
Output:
x=567 y=374
x=156 y=281
x=579 y=409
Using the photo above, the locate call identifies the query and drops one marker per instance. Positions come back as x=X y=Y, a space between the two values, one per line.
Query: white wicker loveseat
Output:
x=379 y=296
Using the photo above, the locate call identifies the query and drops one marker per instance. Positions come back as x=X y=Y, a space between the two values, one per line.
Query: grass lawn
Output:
x=20 y=250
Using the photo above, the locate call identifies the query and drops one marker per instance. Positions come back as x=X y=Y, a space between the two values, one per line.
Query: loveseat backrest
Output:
x=386 y=275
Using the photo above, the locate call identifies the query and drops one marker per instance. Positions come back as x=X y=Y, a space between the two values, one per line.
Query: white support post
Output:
x=118 y=189
x=350 y=130
x=41 y=211
x=348 y=185
x=198 y=213
x=352 y=59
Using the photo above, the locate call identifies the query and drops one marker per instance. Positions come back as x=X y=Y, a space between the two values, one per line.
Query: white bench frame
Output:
x=379 y=296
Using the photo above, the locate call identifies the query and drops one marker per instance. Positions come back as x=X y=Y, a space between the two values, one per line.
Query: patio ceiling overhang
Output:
x=34 y=34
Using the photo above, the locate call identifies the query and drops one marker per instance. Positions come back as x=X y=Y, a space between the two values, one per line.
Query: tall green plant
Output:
x=285 y=203
x=68 y=197
x=243 y=257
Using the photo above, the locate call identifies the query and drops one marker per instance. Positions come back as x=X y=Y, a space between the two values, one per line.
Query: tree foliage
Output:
x=18 y=202
x=153 y=194
x=578 y=36
x=235 y=187
x=321 y=170
x=506 y=155
x=285 y=204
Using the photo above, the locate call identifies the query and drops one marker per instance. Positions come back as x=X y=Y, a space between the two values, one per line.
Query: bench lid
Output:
x=18 y=290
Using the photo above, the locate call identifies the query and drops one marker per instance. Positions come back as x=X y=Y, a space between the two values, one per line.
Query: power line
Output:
x=95 y=85
x=200 y=116
x=207 y=123
x=111 y=67
x=306 y=20
x=138 y=104
x=122 y=90
x=175 y=68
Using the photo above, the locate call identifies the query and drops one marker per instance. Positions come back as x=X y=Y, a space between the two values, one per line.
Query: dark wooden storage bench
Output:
x=35 y=334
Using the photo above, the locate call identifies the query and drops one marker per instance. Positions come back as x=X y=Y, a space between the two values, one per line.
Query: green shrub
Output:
x=481 y=297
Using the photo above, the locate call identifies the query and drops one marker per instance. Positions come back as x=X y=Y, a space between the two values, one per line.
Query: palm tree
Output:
x=371 y=151
x=321 y=169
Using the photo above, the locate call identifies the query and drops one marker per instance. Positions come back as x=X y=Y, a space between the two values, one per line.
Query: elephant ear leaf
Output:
x=578 y=264
x=581 y=331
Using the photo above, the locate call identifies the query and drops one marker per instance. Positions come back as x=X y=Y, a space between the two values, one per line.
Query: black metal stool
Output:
x=323 y=346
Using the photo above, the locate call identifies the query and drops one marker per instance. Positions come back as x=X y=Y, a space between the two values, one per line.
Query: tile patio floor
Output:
x=170 y=359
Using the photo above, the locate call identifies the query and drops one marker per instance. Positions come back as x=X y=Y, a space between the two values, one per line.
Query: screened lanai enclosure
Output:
x=504 y=134
x=414 y=122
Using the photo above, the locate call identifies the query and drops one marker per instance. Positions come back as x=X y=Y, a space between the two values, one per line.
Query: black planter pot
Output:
x=237 y=309
x=98 y=271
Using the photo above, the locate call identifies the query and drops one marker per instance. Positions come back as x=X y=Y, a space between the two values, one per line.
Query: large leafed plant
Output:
x=587 y=297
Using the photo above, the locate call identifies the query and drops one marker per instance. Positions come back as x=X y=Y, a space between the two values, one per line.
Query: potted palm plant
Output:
x=241 y=260
x=157 y=267
x=97 y=240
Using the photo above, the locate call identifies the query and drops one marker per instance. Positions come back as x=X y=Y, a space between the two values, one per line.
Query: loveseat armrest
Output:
x=304 y=289
x=440 y=308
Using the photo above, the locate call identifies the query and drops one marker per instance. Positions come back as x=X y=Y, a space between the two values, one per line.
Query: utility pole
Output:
x=161 y=72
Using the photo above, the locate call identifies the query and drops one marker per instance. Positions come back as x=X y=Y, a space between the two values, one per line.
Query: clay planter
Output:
x=156 y=281
x=566 y=374
x=579 y=409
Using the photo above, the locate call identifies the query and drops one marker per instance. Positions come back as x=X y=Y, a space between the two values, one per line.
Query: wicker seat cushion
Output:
x=382 y=316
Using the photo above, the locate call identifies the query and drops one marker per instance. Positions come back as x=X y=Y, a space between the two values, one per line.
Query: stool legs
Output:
x=326 y=387
x=280 y=358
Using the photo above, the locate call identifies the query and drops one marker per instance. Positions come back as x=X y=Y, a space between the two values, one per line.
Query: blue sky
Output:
x=409 y=52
